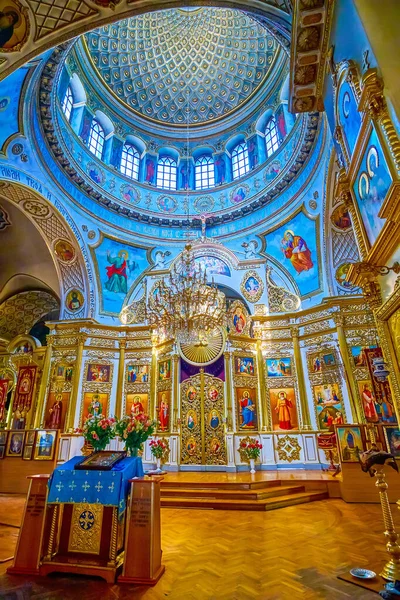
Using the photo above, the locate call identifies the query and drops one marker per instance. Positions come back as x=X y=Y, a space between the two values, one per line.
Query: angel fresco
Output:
x=296 y=250
x=117 y=273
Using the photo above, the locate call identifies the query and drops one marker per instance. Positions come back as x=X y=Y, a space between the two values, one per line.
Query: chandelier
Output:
x=184 y=306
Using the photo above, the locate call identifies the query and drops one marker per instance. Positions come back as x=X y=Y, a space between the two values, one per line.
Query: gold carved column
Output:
x=356 y=412
x=120 y=381
x=305 y=411
x=43 y=383
x=264 y=421
x=175 y=393
x=228 y=390
x=153 y=380
x=75 y=384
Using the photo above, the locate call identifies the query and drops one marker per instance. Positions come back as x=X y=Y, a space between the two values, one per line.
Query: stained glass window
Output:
x=271 y=137
x=96 y=139
x=240 y=160
x=204 y=172
x=67 y=103
x=166 y=173
x=130 y=161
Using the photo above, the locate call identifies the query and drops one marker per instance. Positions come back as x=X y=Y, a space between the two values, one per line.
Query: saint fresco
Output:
x=118 y=266
x=371 y=186
x=283 y=409
x=350 y=118
x=294 y=245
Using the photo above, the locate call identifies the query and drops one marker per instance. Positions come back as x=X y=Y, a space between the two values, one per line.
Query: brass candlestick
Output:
x=391 y=571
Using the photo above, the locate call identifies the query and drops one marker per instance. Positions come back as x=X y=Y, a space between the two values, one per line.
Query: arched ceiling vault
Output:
x=48 y=28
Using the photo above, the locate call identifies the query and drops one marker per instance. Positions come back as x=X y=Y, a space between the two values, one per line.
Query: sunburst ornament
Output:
x=205 y=349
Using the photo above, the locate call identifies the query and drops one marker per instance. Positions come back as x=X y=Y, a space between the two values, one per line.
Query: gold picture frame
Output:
x=15 y=444
x=45 y=444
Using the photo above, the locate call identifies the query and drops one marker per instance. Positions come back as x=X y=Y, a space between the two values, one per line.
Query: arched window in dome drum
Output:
x=130 y=161
x=96 y=139
x=67 y=103
x=240 y=160
x=166 y=173
x=271 y=137
x=204 y=171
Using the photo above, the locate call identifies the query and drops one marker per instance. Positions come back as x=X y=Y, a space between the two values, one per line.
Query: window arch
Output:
x=240 y=160
x=130 y=161
x=204 y=173
x=271 y=137
x=96 y=139
x=166 y=173
x=68 y=103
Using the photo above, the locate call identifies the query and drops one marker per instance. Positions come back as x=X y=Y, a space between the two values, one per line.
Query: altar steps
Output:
x=257 y=496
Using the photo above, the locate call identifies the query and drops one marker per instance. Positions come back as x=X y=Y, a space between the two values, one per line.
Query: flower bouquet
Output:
x=98 y=431
x=249 y=450
x=160 y=450
x=134 y=429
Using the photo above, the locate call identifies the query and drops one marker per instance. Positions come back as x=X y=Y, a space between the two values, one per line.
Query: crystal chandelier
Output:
x=183 y=306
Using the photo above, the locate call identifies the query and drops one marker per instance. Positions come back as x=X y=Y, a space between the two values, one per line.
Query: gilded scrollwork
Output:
x=288 y=448
x=241 y=381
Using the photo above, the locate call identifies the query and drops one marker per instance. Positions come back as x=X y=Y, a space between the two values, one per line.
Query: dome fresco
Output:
x=174 y=66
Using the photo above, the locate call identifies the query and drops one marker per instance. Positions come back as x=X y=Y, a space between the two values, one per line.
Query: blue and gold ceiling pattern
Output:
x=179 y=66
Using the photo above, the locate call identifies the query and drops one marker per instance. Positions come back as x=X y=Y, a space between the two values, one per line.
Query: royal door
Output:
x=202 y=429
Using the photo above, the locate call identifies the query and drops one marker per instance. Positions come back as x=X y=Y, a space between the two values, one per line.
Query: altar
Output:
x=87 y=518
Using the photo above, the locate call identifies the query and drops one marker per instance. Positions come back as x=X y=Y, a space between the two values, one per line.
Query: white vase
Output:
x=158 y=462
x=252 y=465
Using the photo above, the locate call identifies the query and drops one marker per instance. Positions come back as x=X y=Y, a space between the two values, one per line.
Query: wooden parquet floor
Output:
x=287 y=554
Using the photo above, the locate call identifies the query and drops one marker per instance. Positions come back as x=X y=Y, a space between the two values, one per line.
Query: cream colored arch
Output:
x=73 y=272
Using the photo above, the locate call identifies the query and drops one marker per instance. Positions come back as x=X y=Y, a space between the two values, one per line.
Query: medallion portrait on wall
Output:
x=213 y=393
x=341 y=274
x=239 y=194
x=272 y=171
x=94 y=404
x=279 y=367
x=203 y=205
x=283 y=409
x=163 y=410
x=64 y=251
x=14 y=25
x=74 y=300
x=371 y=186
x=164 y=370
x=129 y=193
x=191 y=446
x=136 y=404
x=96 y=174
x=167 y=204
x=214 y=446
x=328 y=405
x=350 y=441
x=340 y=218
x=4 y=102
x=244 y=365
x=98 y=372
x=214 y=419
x=191 y=420
x=137 y=374
x=246 y=408
x=191 y=393
x=252 y=286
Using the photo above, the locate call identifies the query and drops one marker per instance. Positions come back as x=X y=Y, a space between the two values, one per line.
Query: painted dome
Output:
x=174 y=66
